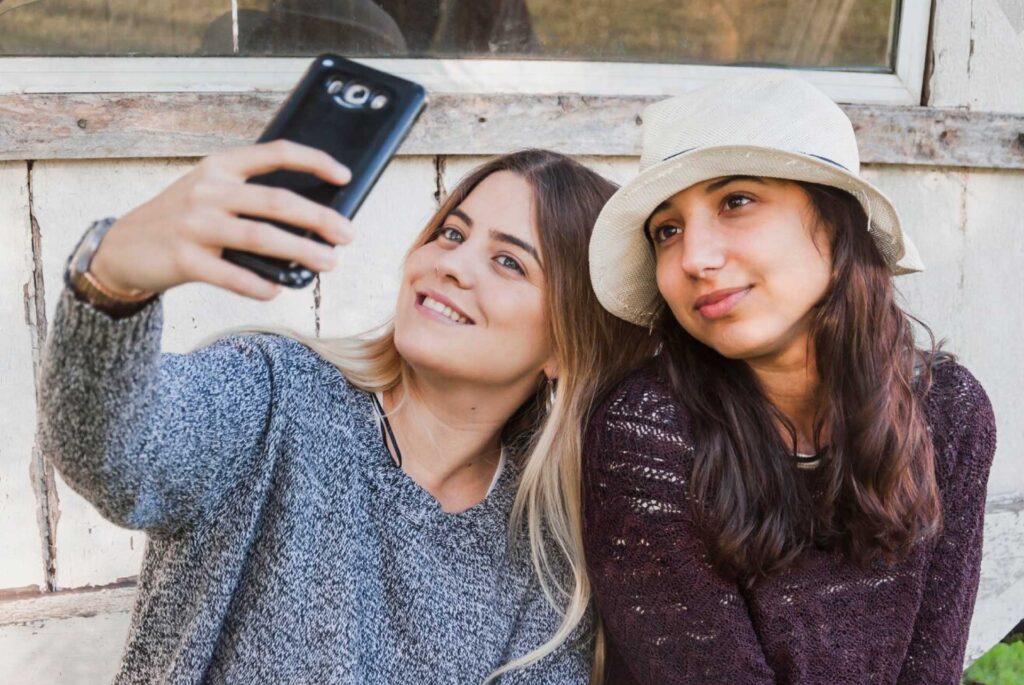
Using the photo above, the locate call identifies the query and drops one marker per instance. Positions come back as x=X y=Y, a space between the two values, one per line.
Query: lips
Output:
x=719 y=303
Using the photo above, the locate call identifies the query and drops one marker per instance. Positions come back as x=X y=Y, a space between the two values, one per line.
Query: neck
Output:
x=450 y=435
x=790 y=382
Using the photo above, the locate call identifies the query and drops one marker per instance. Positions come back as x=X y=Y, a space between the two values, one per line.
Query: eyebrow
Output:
x=511 y=239
x=499 y=235
x=711 y=187
x=462 y=215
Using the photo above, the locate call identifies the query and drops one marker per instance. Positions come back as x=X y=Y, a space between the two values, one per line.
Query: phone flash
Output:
x=379 y=101
x=335 y=85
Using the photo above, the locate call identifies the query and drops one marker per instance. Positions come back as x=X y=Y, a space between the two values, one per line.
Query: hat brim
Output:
x=621 y=260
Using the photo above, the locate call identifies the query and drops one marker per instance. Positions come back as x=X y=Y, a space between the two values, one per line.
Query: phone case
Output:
x=356 y=114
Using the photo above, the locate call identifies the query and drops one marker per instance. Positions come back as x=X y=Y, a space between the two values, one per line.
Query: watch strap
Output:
x=87 y=288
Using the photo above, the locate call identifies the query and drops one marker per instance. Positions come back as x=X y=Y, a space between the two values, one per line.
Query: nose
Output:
x=703 y=250
x=456 y=267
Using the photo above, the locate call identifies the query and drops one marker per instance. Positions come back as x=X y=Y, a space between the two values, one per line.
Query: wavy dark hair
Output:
x=873 y=495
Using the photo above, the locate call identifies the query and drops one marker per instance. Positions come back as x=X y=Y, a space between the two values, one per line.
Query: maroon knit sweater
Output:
x=669 y=618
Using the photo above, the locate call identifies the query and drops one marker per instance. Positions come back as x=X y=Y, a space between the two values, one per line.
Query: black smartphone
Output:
x=356 y=114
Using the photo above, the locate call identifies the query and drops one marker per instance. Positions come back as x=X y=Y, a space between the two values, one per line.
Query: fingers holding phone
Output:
x=354 y=113
x=179 y=236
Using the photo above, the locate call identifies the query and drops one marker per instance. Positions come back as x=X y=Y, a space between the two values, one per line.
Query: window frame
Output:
x=279 y=74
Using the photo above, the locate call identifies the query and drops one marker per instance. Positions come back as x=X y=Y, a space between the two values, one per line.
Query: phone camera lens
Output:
x=356 y=94
x=335 y=85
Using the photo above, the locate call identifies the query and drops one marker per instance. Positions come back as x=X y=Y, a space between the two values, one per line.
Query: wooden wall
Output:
x=66 y=574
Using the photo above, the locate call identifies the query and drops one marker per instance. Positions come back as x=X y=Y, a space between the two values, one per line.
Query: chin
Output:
x=429 y=353
x=739 y=343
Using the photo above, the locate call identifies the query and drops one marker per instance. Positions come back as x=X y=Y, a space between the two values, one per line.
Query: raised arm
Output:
x=667 y=615
x=152 y=439
x=936 y=652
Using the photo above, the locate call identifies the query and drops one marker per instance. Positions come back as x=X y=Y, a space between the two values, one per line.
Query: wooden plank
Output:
x=994 y=340
x=25 y=528
x=1001 y=587
x=950 y=54
x=930 y=202
x=69 y=604
x=978 y=54
x=279 y=74
x=91 y=125
x=996 y=60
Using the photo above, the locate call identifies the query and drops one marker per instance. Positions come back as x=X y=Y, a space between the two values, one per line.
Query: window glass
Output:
x=850 y=34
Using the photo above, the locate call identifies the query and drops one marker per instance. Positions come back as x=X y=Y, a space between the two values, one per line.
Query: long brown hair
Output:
x=873 y=494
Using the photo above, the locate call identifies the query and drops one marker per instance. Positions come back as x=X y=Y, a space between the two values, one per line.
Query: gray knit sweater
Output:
x=284 y=544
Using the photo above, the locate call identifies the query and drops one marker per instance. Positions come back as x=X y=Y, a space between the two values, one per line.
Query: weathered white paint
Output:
x=67 y=637
x=951 y=49
x=992 y=316
x=22 y=563
x=72 y=651
x=31 y=608
x=979 y=55
x=360 y=292
x=1001 y=590
x=930 y=203
x=996 y=69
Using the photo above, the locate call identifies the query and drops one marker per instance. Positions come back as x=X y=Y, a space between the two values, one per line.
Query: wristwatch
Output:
x=88 y=289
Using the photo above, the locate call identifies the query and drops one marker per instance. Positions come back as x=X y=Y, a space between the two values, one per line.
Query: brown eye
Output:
x=737 y=201
x=664 y=232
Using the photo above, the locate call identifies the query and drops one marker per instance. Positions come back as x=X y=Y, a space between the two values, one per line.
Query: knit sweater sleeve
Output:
x=960 y=411
x=665 y=611
x=151 y=440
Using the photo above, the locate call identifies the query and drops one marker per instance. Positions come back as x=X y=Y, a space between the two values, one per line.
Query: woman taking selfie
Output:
x=791 y=492
x=338 y=511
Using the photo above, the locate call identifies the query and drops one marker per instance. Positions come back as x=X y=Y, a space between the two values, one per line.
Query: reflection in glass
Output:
x=855 y=34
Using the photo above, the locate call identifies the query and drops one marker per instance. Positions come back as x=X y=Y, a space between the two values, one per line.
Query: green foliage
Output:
x=1001 y=665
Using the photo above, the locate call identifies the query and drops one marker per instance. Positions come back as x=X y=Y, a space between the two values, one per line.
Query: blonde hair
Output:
x=594 y=348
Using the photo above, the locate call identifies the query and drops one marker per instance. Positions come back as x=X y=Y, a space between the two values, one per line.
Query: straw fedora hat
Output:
x=760 y=125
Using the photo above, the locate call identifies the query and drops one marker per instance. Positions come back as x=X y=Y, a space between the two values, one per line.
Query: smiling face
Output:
x=741 y=262
x=471 y=305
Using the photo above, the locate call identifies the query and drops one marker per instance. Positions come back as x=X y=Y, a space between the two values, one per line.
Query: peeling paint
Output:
x=40 y=468
x=440 y=192
x=970 y=53
x=316 y=305
x=929 y=60
x=962 y=224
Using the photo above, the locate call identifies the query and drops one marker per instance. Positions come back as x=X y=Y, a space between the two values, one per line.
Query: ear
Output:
x=551 y=369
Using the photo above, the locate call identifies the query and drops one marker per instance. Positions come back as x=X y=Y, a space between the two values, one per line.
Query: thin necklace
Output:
x=807 y=461
x=385 y=430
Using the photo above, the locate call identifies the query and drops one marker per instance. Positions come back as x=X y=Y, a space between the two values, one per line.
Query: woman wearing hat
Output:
x=792 y=491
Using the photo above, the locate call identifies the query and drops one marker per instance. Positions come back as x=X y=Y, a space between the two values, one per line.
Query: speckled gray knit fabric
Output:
x=284 y=545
